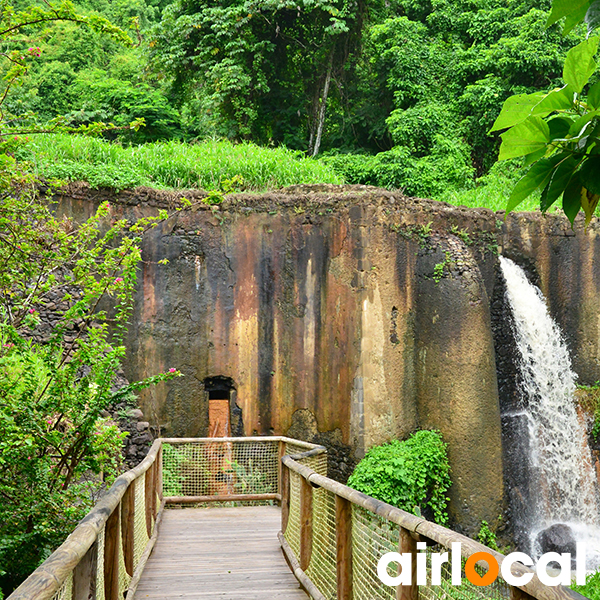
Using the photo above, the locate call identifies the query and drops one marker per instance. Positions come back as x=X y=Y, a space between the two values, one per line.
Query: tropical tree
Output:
x=263 y=70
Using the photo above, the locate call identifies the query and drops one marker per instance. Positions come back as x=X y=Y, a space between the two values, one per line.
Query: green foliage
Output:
x=440 y=268
x=172 y=478
x=487 y=537
x=558 y=131
x=260 y=68
x=441 y=71
x=447 y=166
x=249 y=479
x=591 y=589
x=491 y=190
x=413 y=475
x=104 y=98
x=56 y=449
x=173 y=165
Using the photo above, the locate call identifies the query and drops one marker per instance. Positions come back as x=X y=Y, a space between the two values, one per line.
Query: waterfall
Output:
x=562 y=486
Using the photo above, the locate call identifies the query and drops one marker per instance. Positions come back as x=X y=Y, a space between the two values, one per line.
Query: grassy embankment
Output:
x=165 y=165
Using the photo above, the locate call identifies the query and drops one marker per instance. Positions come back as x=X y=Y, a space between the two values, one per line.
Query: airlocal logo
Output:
x=405 y=560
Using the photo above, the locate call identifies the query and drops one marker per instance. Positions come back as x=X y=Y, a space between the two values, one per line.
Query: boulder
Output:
x=557 y=538
x=135 y=413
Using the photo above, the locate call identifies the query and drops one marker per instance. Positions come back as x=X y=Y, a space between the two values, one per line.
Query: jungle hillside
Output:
x=399 y=94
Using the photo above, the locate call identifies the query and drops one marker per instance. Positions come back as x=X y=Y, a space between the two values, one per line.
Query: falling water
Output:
x=563 y=485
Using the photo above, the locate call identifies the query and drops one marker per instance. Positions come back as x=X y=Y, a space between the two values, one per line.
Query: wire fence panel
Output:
x=218 y=468
x=372 y=537
x=124 y=577
x=66 y=590
x=499 y=590
x=323 y=561
x=292 y=531
x=140 y=532
x=317 y=463
x=100 y=563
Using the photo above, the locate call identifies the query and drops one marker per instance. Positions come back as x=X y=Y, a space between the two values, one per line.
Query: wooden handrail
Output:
x=429 y=530
x=113 y=513
x=315 y=448
x=48 y=578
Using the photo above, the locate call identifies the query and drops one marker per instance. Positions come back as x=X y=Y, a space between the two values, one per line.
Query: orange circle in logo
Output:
x=473 y=576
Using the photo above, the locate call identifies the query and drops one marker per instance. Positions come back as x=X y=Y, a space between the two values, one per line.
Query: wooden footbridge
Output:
x=251 y=518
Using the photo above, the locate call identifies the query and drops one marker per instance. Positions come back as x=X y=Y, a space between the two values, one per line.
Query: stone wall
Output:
x=346 y=315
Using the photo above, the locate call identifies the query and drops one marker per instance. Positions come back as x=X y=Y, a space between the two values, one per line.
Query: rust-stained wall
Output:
x=328 y=309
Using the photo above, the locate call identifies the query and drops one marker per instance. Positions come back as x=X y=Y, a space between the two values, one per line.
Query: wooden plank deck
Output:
x=224 y=553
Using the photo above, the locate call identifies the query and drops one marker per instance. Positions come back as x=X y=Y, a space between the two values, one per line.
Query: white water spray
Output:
x=563 y=487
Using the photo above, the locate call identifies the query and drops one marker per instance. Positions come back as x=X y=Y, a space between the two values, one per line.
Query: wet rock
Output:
x=143 y=425
x=135 y=413
x=557 y=538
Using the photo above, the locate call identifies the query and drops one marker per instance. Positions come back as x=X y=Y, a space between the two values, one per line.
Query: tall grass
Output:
x=492 y=190
x=176 y=165
x=171 y=164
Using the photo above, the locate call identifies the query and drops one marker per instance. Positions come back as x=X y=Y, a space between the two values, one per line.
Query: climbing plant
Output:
x=413 y=474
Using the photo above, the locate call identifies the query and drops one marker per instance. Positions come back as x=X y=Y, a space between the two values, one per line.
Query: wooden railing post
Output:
x=84 y=575
x=128 y=526
x=111 y=555
x=343 y=536
x=159 y=480
x=285 y=497
x=306 y=526
x=154 y=489
x=408 y=544
x=280 y=455
x=148 y=495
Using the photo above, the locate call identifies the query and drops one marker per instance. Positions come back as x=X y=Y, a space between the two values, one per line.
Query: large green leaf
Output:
x=516 y=109
x=564 y=8
x=539 y=175
x=592 y=17
x=590 y=174
x=558 y=182
x=559 y=127
x=534 y=157
x=529 y=136
x=577 y=126
x=558 y=99
x=575 y=18
x=580 y=64
x=593 y=97
x=571 y=202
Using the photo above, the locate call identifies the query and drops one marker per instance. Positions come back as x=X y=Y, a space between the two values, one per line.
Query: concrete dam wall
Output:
x=349 y=316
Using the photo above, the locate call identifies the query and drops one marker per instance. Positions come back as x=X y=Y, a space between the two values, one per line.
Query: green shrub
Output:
x=413 y=475
x=446 y=166
x=591 y=589
x=487 y=537
x=491 y=190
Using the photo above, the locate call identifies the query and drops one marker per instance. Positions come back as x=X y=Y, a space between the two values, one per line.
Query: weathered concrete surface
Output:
x=456 y=375
x=565 y=264
x=348 y=316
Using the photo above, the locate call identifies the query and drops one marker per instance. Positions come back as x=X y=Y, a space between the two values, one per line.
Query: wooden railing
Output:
x=104 y=556
x=333 y=536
